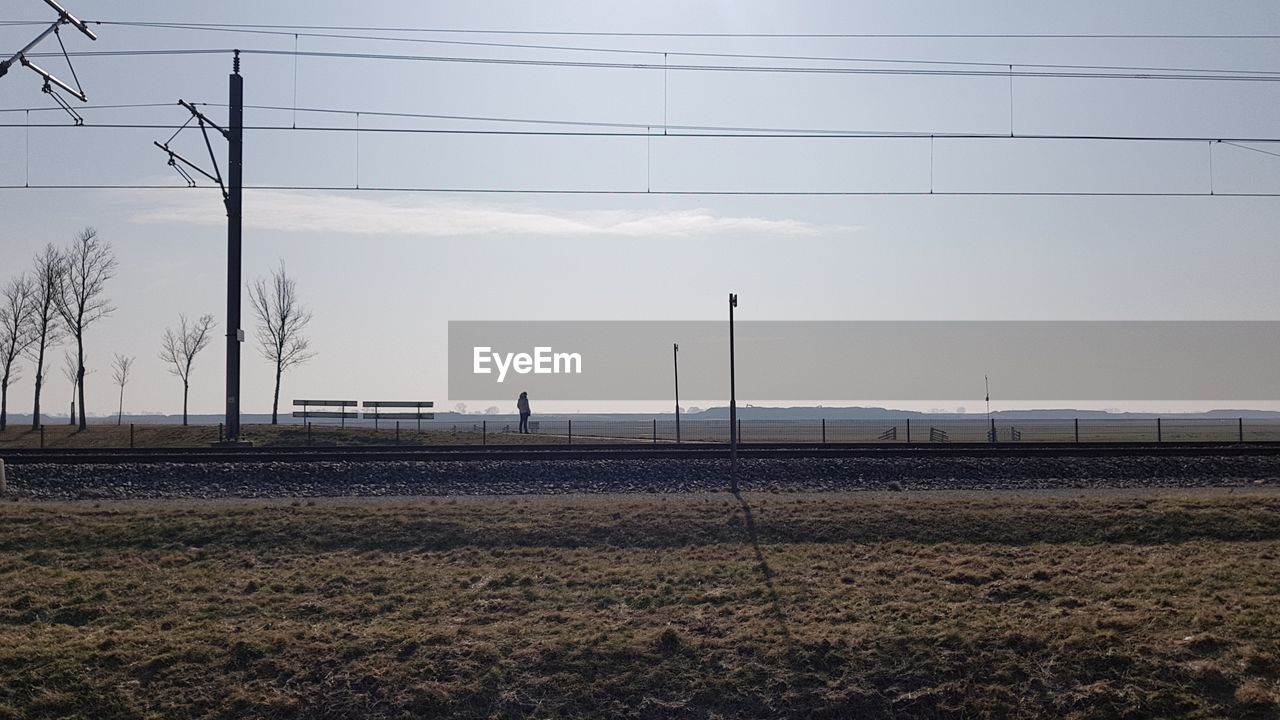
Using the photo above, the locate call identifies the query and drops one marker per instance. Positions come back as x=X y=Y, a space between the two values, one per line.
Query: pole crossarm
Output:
x=204 y=119
x=64 y=18
x=175 y=158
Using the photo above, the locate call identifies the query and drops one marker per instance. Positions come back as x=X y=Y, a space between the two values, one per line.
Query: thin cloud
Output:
x=318 y=212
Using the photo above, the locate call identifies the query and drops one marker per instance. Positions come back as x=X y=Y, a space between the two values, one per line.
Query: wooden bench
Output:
x=327 y=411
x=417 y=414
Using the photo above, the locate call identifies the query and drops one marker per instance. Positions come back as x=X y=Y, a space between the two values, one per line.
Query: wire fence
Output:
x=905 y=430
x=505 y=430
x=842 y=431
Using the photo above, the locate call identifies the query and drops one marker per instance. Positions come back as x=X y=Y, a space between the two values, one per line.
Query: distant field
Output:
x=1107 y=604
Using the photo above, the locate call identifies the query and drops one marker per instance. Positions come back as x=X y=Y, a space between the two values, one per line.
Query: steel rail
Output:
x=627 y=451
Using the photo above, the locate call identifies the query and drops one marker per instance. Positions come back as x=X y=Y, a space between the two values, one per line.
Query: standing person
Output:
x=522 y=404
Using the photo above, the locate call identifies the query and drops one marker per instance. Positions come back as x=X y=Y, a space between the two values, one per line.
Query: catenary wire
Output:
x=632 y=51
x=1009 y=72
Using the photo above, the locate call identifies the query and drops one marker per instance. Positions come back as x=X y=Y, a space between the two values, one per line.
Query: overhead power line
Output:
x=750 y=193
x=650 y=131
x=673 y=52
x=1008 y=71
x=781 y=35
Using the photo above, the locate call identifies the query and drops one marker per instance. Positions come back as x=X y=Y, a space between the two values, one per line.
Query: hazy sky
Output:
x=384 y=272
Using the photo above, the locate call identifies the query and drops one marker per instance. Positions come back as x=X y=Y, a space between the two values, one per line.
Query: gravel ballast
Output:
x=504 y=477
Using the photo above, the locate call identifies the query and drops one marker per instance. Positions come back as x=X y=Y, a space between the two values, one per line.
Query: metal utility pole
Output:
x=235 y=335
x=733 y=402
x=675 y=356
x=232 y=192
x=991 y=434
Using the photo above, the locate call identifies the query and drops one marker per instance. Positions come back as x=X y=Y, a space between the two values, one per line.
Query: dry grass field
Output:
x=1107 y=604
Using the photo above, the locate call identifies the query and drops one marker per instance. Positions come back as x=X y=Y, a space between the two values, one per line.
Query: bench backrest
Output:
x=326 y=409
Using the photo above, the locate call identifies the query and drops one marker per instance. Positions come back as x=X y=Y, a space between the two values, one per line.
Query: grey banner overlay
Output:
x=873 y=360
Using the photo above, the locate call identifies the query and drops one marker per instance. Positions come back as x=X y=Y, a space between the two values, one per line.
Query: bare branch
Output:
x=45 y=280
x=87 y=266
x=121 y=365
x=179 y=349
x=283 y=319
x=70 y=369
x=16 y=309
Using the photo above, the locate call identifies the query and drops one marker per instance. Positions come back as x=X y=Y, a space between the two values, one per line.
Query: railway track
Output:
x=86 y=456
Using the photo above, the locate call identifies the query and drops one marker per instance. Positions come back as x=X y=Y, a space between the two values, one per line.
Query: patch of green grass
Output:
x=962 y=605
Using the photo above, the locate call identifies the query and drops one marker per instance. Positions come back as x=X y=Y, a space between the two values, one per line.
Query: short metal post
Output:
x=571 y=432
x=1241 y=429
x=908 y=429
x=484 y=432
x=1159 y=433
x=1077 y=424
x=655 y=430
x=739 y=429
x=130 y=436
x=824 y=431
x=419 y=418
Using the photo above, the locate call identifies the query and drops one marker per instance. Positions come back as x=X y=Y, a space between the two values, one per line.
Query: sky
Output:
x=384 y=272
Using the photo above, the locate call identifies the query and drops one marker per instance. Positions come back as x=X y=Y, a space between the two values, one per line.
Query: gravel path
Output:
x=316 y=479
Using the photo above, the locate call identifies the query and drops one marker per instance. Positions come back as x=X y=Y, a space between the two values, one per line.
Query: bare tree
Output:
x=120 y=368
x=179 y=349
x=71 y=371
x=87 y=266
x=46 y=280
x=15 y=336
x=282 y=318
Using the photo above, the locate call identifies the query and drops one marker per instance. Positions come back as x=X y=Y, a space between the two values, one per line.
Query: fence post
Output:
x=130 y=436
x=1077 y=424
x=1159 y=432
x=655 y=430
x=1241 y=429
x=484 y=432
x=571 y=431
x=908 y=429
x=824 y=431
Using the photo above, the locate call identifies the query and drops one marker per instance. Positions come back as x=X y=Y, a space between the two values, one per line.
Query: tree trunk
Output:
x=71 y=419
x=120 y=414
x=35 y=404
x=4 y=399
x=4 y=402
x=84 y=424
x=185 y=386
x=275 y=401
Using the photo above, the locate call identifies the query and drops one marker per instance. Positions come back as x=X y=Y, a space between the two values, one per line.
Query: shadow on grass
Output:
x=766 y=575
